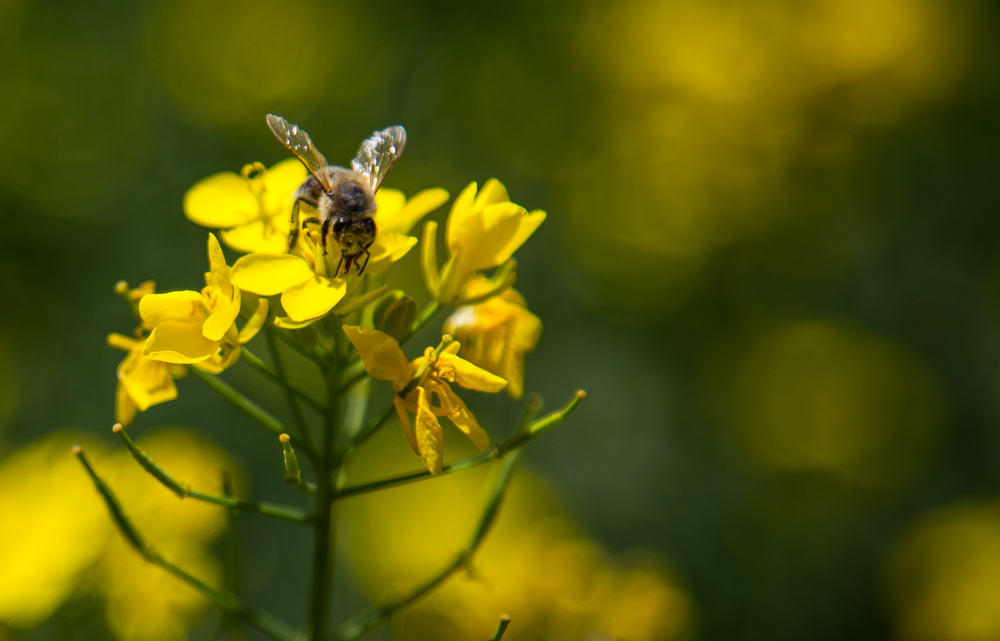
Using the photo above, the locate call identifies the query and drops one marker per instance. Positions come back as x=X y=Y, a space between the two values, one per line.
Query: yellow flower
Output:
x=385 y=361
x=303 y=277
x=142 y=383
x=53 y=527
x=253 y=207
x=200 y=327
x=496 y=334
x=483 y=231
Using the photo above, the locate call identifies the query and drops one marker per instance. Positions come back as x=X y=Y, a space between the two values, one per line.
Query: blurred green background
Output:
x=772 y=259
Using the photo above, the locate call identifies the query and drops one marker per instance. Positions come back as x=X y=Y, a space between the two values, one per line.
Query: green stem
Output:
x=228 y=623
x=183 y=490
x=252 y=410
x=529 y=431
x=278 y=376
x=223 y=598
x=290 y=393
x=504 y=622
x=327 y=467
x=367 y=621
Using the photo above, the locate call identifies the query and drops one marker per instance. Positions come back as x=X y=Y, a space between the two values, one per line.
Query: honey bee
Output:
x=343 y=198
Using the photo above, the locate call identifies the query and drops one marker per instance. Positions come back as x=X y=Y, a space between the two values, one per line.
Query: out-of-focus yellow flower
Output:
x=385 y=361
x=535 y=565
x=308 y=292
x=57 y=537
x=944 y=578
x=253 y=208
x=142 y=383
x=53 y=527
x=199 y=328
x=143 y=602
x=496 y=334
x=483 y=231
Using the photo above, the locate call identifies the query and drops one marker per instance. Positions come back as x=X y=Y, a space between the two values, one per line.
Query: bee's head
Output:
x=354 y=234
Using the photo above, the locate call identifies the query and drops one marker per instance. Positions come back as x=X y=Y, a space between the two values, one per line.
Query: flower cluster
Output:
x=293 y=289
x=322 y=292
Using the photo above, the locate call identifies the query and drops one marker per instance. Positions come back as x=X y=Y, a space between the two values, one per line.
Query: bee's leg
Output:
x=325 y=231
x=293 y=235
x=312 y=220
x=368 y=257
x=340 y=264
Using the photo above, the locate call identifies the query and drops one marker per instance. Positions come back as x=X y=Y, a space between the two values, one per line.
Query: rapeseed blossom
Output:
x=142 y=382
x=252 y=208
x=304 y=277
x=417 y=381
x=483 y=231
x=199 y=328
x=495 y=334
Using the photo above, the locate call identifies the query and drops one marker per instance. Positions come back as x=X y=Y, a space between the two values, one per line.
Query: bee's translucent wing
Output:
x=378 y=154
x=298 y=142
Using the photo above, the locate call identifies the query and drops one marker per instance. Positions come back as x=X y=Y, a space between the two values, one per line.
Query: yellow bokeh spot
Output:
x=815 y=395
x=57 y=538
x=944 y=579
x=228 y=62
x=53 y=527
x=535 y=566
x=711 y=107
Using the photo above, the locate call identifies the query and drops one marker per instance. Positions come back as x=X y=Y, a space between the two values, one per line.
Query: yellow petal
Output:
x=149 y=385
x=390 y=202
x=430 y=440
x=512 y=366
x=387 y=249
x=218 y=267
x=285 y=322
x=420 y=205
x=460 y=415
x=468 y=375
x=125 y=407
x=280 y=182
x=527 y=227
x=173 y=342
x=525 y=329
x=122 y=342
x=255 y=322
x=404 y=422
x=312 y=298
x=222 y=319
x=270 y=274
x=182 y=306
x=492 y=192
x=221 y=200
x=458 y=218
x=488 y=234
x=380 y=354
x=428 y=258
x=258 y=237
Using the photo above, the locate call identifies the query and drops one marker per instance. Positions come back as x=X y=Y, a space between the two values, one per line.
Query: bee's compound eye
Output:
x=341 y=225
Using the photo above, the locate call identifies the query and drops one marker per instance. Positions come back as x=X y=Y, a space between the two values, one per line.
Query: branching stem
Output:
x=265 y=622
x=183 y=490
